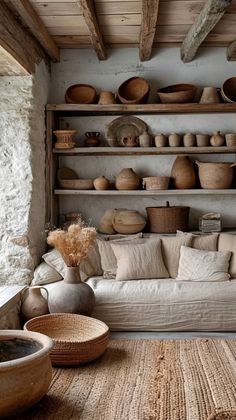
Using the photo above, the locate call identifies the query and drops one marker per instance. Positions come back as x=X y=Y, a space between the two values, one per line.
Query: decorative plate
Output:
x=125 y=131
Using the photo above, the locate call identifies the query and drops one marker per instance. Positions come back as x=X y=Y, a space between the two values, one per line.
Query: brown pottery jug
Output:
x=34 y=304
x=183 y=173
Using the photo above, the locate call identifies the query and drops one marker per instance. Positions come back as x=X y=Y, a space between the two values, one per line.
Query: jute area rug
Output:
x=147 y=380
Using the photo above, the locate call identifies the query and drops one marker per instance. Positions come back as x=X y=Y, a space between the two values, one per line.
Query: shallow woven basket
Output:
x=156 y=183
x=77 y=339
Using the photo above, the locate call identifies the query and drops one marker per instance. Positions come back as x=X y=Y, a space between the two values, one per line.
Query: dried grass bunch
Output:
x=73 y=244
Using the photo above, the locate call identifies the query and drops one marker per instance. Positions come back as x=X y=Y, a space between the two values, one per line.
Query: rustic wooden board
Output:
x=145 y=193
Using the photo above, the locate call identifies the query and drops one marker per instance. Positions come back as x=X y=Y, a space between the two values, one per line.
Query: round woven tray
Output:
x=77 y=339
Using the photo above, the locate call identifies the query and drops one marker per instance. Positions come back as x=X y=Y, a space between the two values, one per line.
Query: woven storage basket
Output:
x=156 y=183
x=167 y=219
x=77 y=339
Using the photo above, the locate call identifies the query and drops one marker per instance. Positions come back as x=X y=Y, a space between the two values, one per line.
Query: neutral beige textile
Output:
x=45 y=274
x=140 y=261
x=108 y=259
x=199 y=265
x=171 y=251
x=205 y=242
x=165 y=304
x=146 y=380
x=227 y=242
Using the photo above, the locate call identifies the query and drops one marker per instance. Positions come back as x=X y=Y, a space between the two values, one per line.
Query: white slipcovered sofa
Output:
x=165 y=304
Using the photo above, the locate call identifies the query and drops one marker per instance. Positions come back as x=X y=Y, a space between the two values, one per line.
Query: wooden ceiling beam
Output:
x=210 y=14
x=231 y=51
x=36 y=26
x=17 y=41
x=148 y=28
x=88 y=11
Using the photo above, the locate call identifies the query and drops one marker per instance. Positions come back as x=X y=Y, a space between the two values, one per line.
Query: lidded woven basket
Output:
x=168 y=219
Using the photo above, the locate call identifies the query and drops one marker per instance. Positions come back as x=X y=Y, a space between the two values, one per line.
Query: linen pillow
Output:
x=204 y=242
x=171 y=251
x=198 y=265
x=108 y=258
x=139 y=261
x=227 y=242
x=44 y=274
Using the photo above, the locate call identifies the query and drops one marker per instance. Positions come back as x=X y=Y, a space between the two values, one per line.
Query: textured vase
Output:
x=34 y=304
x=127 y=180
x=128 y=221
x=71 y=295
x=183 y=173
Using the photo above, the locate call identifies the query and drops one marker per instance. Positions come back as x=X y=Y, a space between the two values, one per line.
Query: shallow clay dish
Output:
x=77 y=184
x=77 y=339
x=81 y=94
x=134 y=91
x=124 y=128
x=177 y=94
x=228 y=90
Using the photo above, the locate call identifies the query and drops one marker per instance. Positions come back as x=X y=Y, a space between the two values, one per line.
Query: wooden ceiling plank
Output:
x=37 y=27
x=210 y=14
x=14 y=38
x=88 y=12
x=148 y=28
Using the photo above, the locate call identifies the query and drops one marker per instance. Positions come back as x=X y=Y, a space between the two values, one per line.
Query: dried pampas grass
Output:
x=73 y=244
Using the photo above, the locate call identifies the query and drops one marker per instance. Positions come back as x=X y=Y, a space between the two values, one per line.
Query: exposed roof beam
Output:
x=17 y=41
x=231 y=51
x=36 y=27
x=88 y=12
x=210 y=14
x=148 y=28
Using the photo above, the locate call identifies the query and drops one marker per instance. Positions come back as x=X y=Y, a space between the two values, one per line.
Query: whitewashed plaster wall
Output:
x=22 y=168
x=82 y=66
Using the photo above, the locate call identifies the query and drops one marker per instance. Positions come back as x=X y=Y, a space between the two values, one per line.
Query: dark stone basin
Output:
x=15 y=348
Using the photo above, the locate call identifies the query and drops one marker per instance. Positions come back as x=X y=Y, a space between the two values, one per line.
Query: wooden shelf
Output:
x=145 y=193
x=90 y=151
x=118 y=109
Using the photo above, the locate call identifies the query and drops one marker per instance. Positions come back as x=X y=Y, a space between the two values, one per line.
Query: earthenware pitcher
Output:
x=34 y=303
x=71 y=295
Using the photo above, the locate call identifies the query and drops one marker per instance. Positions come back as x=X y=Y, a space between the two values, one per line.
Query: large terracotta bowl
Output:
x=25 y=370
x=228 y=90
x=177 y=94
x=134 y=91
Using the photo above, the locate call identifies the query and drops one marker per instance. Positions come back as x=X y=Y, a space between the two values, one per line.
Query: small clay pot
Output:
x=189 y=140
x=92 y=139
x=209 y=96
x=202 y=140
x=160 y=140
x=145 y=139
x=230 y=139
x=127 y=180
x=175 y=140
x=101 y=183
x=106 y=98
x=217 y=139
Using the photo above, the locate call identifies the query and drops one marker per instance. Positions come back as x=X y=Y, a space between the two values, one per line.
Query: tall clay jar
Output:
x=34 y=303
x=71 y=295
x=127 y=180
x=183 y=173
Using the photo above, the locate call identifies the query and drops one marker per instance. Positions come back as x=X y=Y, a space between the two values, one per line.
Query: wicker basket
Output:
x=167 y=219
x=156 y=183
x=77 y=339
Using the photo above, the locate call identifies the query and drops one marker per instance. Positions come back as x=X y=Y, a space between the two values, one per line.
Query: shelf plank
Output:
x=145 y=193
x=89 y=151
x=117 y=109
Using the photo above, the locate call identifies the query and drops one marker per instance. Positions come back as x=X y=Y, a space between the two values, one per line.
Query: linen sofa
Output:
x=167 y=304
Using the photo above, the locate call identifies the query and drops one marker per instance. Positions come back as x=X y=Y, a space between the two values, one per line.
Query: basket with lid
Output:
x=167 y=219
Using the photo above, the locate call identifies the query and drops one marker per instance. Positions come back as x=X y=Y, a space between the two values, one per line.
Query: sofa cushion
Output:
x=204 y=242
x=45 y=274
x=199 y=265
x=135 y=261
x=227 y=242
x=171 y=251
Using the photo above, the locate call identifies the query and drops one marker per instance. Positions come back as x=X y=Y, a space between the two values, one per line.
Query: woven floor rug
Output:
x=147 y=380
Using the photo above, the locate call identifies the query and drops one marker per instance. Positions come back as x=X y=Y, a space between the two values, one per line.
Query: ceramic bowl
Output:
x=81 y=94
x=25 y=370
x=228 y=90
x=134 y=91
x=177 y=94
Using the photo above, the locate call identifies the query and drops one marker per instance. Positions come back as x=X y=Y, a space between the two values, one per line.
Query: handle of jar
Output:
x=46 y=290
x=233 y=164
x=198 y=163
x=97 y=134
x=87 y=134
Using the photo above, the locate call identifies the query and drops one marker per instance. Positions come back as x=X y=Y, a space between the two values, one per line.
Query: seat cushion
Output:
x=165 y=305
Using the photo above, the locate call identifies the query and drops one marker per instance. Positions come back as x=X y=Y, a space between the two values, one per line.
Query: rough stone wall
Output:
x=22 y=154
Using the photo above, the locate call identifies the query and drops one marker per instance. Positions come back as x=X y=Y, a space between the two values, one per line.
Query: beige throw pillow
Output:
x=44 y=274
x=140 y=261
x=204 y=242
x=108 y=258
x=227 y=242
x=198 y=265
x=171 y=251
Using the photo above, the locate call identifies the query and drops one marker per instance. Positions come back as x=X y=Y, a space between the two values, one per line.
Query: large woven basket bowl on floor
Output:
x=77 y=339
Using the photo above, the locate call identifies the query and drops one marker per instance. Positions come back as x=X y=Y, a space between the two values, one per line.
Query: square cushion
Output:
x=204 y=242
x=198 y=265
x=171 y=251
x=227 y=242
x=45 y=274
x=139 y=261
